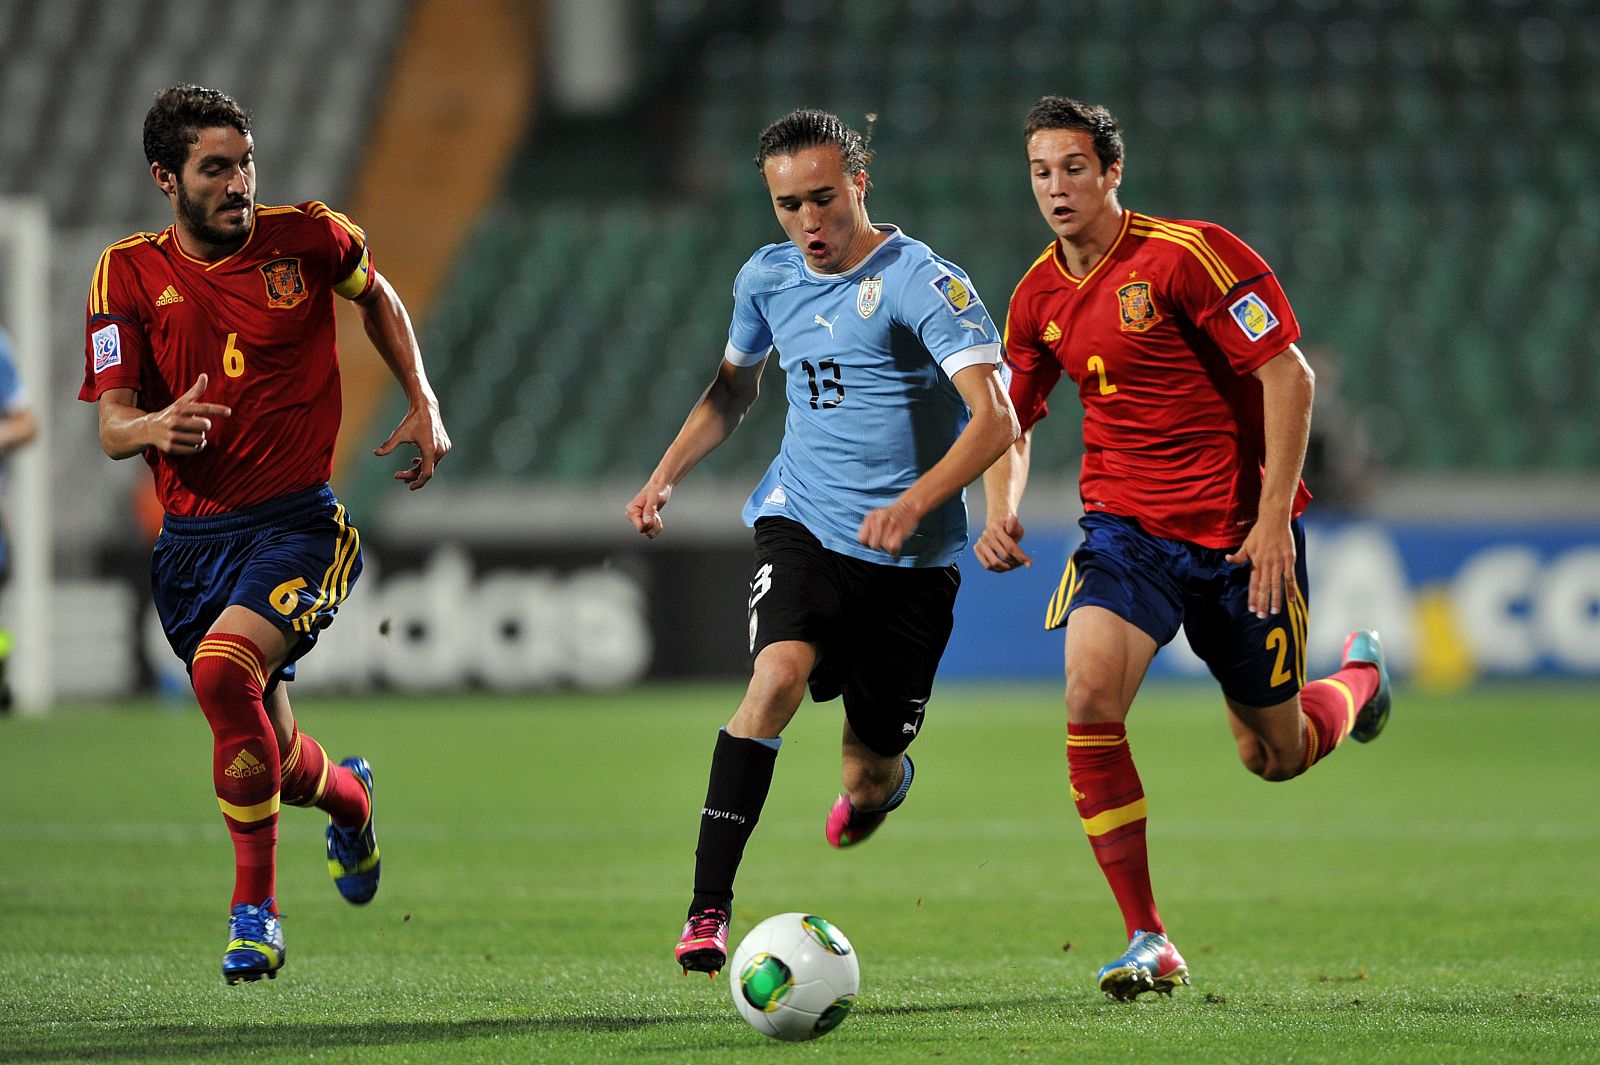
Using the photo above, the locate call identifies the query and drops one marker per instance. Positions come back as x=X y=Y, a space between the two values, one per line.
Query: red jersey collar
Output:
x=172 y=232
x=1061 y=263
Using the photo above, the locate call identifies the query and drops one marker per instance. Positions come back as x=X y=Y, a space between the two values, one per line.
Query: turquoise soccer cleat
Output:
x=353 y=852
x=1363 y=646
x=1151 y=963
x=255 y=943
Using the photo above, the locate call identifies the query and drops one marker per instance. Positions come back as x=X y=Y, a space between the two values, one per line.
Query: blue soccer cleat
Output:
x=1363 y=646
x=1151 y=963
x=255 y=943
x=353 y=852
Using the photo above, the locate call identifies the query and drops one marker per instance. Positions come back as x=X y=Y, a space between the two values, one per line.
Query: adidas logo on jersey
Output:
x=1052 y=333
x=169 y=296
x=245 y=765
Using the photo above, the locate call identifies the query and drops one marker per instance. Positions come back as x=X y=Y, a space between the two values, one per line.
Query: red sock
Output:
x=1110 y=800
x=310 y=778
x=229 y=678
x=1330 y=706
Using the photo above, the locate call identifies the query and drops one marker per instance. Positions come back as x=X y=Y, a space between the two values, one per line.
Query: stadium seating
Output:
x=1442 y=250
x=76 y=77
x=1421 y=176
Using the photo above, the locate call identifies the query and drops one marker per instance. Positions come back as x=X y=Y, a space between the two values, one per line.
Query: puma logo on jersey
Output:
x=819 y=320
x=168 y=296
x=976 y=327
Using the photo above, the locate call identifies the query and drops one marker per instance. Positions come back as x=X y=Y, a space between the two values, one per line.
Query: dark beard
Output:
x=194 y=218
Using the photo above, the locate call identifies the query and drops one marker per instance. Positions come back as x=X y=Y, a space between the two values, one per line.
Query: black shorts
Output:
x=880 y=629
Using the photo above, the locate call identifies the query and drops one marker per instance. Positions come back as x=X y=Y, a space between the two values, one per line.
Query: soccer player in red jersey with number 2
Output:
x=211 y=353
x=1196 y=409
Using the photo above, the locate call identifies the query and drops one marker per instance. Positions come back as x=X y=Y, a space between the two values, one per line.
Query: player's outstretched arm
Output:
x=1287 y=389
x=388 y=326
x=17 y=428
x=990 y=433
x=999 y=548
x=712 y=420
x=177 y=429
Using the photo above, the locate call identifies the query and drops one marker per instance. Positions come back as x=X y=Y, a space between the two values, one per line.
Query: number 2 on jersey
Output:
x=1098 y=365
x=233 y=357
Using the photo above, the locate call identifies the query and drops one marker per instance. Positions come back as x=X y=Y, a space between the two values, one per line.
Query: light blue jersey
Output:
x=13 y=397
x=868 y=356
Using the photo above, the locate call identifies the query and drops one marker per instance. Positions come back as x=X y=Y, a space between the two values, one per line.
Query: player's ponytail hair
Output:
x=808 y=128
x=172 y=125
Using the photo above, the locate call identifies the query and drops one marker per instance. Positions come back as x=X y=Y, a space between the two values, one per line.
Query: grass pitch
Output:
x=1429 y=898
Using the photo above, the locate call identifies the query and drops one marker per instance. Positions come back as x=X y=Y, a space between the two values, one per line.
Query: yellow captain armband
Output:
x=355 y=286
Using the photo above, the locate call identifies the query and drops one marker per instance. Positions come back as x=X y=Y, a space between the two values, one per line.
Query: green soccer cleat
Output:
x=1363 y=646
x=353 y=852
x=255 y=943
x=1151 y=963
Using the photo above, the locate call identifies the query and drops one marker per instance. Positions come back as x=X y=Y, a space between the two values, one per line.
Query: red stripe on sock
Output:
x=1104 y=780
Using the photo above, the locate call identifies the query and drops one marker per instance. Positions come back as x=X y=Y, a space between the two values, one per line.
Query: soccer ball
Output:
x=795 y=977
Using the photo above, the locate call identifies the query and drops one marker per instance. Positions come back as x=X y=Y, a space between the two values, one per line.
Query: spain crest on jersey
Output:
x=1137 y=306
x=868 y=295
x=285 y=286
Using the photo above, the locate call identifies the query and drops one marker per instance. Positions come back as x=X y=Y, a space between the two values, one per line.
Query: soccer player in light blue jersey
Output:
x=892 y=373
x=18 y=426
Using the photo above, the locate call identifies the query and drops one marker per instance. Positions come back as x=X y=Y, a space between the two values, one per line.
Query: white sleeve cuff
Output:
x=744 y=358
x=977 y=355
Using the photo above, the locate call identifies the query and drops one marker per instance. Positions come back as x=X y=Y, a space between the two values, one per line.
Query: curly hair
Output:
x=808 y=128
x=1062 y=112
x=173 y=124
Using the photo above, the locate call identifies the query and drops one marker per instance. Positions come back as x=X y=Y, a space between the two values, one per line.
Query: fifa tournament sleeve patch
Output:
x=107 y=347
x=1254 y=318
x=956 y=293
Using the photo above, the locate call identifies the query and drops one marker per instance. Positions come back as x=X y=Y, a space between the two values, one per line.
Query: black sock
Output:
x=741 y=773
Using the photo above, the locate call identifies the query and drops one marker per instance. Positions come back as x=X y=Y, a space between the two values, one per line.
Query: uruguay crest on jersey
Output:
x=285 y=286
x=868 y=295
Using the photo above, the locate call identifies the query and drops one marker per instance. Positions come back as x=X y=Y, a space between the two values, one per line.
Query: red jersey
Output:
x=259 y=323
x=1160 y=337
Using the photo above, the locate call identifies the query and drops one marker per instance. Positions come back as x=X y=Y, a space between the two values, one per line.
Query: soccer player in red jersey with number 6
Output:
x=211 y=354
x=1196 y=409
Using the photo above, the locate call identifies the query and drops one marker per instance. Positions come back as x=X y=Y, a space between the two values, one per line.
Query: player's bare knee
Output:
x=1091 y=700
x=1273 y=766
x=1253 y=758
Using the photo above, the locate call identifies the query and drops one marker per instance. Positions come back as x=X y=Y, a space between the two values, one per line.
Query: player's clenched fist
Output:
x=998 y=548
x=644 y=510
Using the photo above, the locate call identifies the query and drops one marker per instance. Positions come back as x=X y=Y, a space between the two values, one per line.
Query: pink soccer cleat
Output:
x=703 y=947
x=848 y=826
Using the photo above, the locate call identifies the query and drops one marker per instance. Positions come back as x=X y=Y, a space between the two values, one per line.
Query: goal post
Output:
x=25 y=313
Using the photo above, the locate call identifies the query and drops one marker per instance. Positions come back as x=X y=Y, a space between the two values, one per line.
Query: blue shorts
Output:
x=292 y=560
x=1161 y=585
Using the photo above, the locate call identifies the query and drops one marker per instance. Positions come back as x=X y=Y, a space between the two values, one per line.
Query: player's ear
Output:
x=165 y=179
x=1114 y=174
